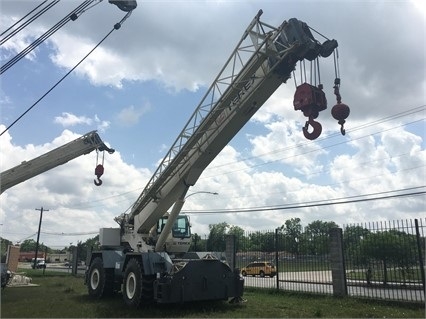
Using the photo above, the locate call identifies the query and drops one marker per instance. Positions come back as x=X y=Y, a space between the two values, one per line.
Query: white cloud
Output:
x=68 y=119
x=130 y=116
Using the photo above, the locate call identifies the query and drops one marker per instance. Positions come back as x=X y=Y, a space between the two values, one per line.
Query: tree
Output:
x=391 y=248
x=292 y=231
x=216 y=240
x=4 y=244
x=89 y=245
x=238 y=232
x=262 y=241
x=352 y=239
x=317 y=237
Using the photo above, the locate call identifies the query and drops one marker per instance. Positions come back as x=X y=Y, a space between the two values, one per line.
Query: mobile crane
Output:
x=28 y=169
x=135 y=257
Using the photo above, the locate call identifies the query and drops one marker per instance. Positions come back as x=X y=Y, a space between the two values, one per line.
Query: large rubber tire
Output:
x=138 y=289
x=99 y=281
x=244 y=273
x=262 y=273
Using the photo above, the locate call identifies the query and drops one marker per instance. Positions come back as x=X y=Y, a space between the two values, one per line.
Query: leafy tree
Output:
x=262 y=241
x=317 y=239
x=391 y=248
x=89 y=245
x=292 y=231
x=30 y=245
x=216 y=240
x=352 y=239
x=238 y=232
x=4 y=244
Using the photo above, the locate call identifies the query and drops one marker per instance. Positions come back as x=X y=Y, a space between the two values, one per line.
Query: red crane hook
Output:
x=99 y=171
x=316 y=132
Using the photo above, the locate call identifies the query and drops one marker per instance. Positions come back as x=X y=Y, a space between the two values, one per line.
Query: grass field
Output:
x=64 y=296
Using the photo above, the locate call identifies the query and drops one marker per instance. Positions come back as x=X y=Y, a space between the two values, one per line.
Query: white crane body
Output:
x=138 y=260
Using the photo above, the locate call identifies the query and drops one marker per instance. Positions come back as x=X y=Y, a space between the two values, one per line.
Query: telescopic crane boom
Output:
x=28 y=169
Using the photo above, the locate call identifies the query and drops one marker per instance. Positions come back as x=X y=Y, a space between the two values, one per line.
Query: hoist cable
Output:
x=71 y=16
x=116 y=27
x=21 y=27
x=13 y=25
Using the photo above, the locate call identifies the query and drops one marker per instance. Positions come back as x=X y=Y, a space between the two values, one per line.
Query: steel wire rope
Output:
x=23 y=18
x=70 y=16
x=116 y=27
x=43 y=37
x=28 y=22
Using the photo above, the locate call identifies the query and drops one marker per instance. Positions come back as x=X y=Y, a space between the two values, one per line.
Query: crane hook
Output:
x=316 y=132
x=99 y=171
x=98 y=182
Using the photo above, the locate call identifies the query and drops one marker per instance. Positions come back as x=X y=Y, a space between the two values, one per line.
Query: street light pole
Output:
x=202 y=192
x=38 y=235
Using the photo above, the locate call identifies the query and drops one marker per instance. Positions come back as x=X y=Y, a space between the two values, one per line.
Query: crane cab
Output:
x=179 y=239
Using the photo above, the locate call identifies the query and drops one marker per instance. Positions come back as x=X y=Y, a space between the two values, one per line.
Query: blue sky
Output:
x=139 y=88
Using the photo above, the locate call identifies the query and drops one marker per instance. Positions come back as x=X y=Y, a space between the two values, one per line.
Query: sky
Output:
x=140 y=86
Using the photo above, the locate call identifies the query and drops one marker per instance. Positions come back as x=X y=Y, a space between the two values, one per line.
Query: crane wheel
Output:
x=98 y=283
x=132 y=283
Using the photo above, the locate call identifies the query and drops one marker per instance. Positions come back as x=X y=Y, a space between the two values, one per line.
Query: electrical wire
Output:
x=358 y=128
x=70 y=234
x=73 y=15
x=28 y=22
x=329 y=202
x=116 y=27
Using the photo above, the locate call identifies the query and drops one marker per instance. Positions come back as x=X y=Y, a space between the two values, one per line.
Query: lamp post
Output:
x=202 y=192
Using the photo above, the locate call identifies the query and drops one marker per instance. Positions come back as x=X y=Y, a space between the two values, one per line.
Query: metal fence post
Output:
x=276 y=257
x=338 y=272
x=419 y=248
x=230 y=250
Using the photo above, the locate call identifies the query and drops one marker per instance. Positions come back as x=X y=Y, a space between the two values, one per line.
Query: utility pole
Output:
x=38 y=234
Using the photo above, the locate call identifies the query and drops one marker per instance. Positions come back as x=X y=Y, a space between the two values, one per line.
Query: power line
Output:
x=70 y=234
x=363 y=126
x=328 y=202
x=116 y=27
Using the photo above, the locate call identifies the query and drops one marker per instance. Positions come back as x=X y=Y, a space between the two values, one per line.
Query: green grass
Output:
x=65 y=296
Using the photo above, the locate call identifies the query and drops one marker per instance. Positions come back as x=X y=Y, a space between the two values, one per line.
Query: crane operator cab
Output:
x=179 y=239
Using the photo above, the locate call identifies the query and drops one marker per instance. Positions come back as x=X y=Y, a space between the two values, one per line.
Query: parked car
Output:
x=40 y=264
x=261 y=268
